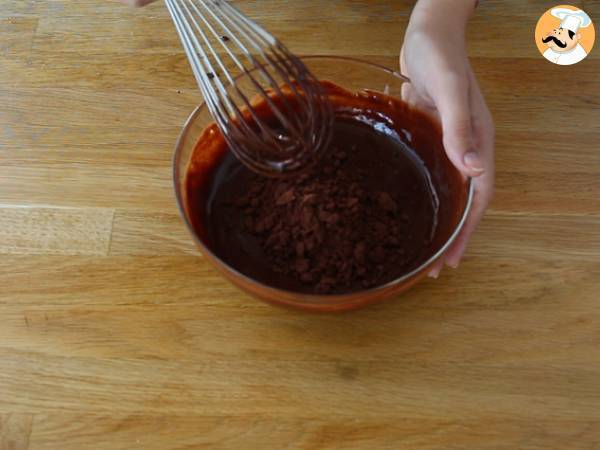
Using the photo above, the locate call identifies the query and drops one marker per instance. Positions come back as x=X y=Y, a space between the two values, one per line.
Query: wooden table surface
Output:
x=116 y=334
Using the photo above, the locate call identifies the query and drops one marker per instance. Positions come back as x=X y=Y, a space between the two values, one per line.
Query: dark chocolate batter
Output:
x=365 y=214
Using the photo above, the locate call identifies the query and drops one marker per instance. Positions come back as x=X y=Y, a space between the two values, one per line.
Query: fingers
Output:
x=410 y=95
x=482 y=138
x=137 y=3
x=444 y=76
x=437 y=267
x=482 y=196
x=483 y=134
x=452 y=98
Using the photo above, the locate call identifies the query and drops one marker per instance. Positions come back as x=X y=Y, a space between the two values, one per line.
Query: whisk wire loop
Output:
x=217 y=39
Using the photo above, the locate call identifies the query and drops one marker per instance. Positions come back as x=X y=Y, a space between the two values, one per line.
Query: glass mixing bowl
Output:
x=354 y=75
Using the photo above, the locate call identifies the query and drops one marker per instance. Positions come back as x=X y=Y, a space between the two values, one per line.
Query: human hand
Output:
x=137 y=2
x=434 y=57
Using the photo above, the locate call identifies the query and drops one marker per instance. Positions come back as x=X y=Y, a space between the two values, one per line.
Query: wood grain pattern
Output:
x=54 y=230
x=15 y=430
x=115 y=333
x=139 y=432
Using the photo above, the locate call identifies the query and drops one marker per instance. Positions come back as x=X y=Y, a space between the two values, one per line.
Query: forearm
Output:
x=442 y=15
x=442 y=23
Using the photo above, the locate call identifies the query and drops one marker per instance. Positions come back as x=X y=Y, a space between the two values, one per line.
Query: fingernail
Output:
x=434 y=273
x=473 y=161
x=452 y=264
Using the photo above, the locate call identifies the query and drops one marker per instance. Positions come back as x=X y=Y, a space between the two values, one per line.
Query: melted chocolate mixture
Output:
x=364 y=215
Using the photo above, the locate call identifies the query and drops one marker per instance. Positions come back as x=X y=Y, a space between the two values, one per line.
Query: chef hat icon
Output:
x=572 y=19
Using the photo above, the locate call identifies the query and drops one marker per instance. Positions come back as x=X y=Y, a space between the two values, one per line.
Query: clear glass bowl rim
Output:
x=307 y=298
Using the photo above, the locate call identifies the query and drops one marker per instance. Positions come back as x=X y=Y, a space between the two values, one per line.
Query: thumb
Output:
x=452 y=101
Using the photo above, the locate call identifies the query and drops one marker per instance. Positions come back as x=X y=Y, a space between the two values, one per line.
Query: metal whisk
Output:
x=274 y=115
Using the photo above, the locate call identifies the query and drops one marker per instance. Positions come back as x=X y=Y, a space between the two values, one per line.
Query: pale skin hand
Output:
x=434 y=57
x=137 y=2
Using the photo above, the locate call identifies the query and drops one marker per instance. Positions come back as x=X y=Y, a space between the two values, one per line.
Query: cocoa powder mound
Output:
x=326 y=228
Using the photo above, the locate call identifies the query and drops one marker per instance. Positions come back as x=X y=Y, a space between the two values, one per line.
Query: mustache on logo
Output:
x=556 y=41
